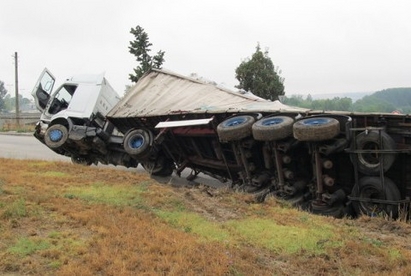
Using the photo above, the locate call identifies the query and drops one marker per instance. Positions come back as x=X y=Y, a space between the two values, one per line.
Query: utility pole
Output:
x=17 y=89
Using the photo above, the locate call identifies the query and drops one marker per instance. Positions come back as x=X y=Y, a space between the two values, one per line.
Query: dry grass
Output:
x=7 y=126
x=62 y=219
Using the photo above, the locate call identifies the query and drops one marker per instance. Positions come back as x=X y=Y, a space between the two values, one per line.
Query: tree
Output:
x=3 y=92
x=140 y=47
x=371 y=103
x=10 y=102
x=337 y=103
x=259 y=76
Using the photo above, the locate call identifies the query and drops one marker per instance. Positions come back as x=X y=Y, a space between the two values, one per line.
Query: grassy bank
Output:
x=63 y=219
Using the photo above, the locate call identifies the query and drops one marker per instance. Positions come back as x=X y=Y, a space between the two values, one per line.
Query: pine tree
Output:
x=140 y=47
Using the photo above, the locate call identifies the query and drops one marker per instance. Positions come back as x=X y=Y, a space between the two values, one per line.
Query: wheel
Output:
x=138 y=142
x=81 y=160
x=55 y=136
x=160 y=167
x=337 y=211
x=272 y=128
x=369 y=162
x=235 y=128
x=316 y=129
x=371 y=188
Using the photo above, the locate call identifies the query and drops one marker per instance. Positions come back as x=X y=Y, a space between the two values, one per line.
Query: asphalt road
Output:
x=26 y=146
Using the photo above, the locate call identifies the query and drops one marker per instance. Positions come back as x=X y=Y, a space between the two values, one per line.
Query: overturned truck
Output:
x=330 y=163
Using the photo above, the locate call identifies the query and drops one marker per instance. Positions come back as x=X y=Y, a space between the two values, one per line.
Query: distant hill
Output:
x=397 y=96
x=387 y=100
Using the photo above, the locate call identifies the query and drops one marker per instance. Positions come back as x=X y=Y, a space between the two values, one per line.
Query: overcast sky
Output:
x=321 y=46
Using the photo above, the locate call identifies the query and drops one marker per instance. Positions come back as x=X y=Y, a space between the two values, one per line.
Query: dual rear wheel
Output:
x=139 y=144
x=274 y=128
x=371 y=191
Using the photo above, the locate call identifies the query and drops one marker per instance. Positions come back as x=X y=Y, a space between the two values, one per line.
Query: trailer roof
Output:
x=161 y=92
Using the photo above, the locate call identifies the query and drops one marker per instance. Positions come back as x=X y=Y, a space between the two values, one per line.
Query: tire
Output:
x=55 y=136
x=371 y=188
x=81 y=160
x=369 y=163
x=337 y=211
x=235 y=128
x=138 y=143
x=160 y=167
x=272 y=128
x=316 y=129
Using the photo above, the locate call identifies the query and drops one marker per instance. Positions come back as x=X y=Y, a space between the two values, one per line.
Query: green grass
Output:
x=27 y=246
x=55 y=174
x=54 y=235
x=394 y=255
x=263 y=232
x=106 y=194
x=194 y=223
x=284 y=238
x=55 y=264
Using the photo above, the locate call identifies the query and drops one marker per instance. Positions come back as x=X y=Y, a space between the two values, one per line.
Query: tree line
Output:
x=385 y=101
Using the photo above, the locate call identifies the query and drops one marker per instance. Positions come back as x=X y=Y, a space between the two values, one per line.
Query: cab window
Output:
x=62 y=98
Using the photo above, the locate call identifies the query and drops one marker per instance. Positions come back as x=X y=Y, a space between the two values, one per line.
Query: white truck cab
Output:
x=73 y=117
x=81 y=97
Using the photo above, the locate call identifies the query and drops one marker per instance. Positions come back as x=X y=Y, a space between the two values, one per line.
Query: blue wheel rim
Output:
x=56 y=135
x=235 y=121
x=136 y=142
x=272 y=121
x=315 y=121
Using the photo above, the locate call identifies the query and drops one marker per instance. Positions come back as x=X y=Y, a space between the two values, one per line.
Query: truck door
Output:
x=43 y=89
